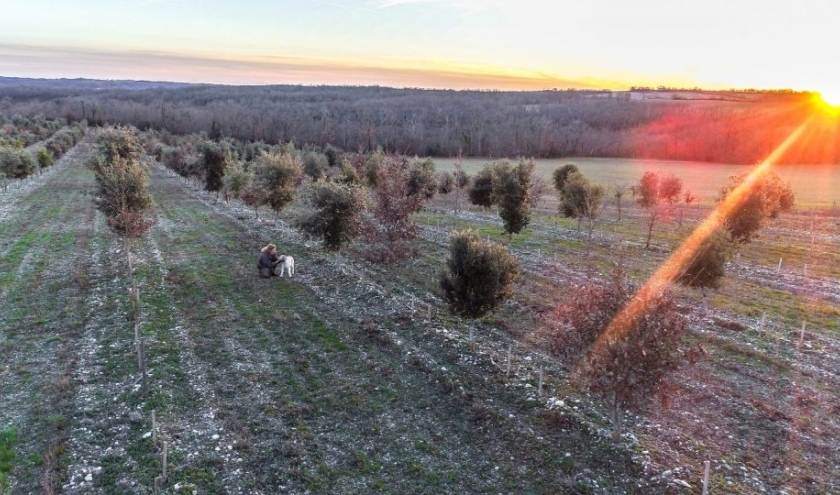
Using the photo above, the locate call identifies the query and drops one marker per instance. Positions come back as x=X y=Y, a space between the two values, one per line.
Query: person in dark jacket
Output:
x=268 y=261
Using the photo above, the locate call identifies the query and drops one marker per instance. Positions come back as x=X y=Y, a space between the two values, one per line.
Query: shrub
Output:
x=347 y=173
x=315 y=164
x=278 y=174
x=481 y=192
x=759 y=200
x=336 y=218
x=479 y=275
x=122 y=194
x=421 y=178
x=332 y=153
x=121 y=180
x=16 y=163
x=446 y=182
x=622 y=345
x=44 y=157
x=391 y=227
x=215 y=160
x=512 y=190
x=559 y=176
x=254 y=196
x=236 y=180
x=118 y=141
x=707 y=265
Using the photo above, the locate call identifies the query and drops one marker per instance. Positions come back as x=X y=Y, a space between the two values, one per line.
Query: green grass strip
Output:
x=8 y=439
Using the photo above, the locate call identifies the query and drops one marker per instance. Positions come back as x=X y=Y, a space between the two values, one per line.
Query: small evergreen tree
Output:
x=756 y=203
x=16 y=163
x=479 y=275
x=446 y=183
x=707 y=265
x=512 y=190
x=337 y=215
x=44 y=157
x=481 y=192
x=421 y=178
x=121 y=180
x=236 y=180
x=372 y=165
x=670 y=187
x=278 y=174
x=582 y=200
x=559 y=176
x=315 y=164
x=215 y=160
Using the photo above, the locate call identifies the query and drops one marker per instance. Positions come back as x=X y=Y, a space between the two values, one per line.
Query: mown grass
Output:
x=8 y=440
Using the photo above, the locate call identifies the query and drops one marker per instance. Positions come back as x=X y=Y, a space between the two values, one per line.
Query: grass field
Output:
x=815 y=186
x=354 y=377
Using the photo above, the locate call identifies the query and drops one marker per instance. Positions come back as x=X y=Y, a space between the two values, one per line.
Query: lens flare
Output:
x=829 y=101
x=676 y=263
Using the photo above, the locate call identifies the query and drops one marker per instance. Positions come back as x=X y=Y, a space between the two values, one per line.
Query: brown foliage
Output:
x=391 y=227
x=621 y=356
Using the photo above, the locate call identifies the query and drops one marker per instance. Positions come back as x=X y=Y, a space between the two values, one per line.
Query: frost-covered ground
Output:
x=353 y=378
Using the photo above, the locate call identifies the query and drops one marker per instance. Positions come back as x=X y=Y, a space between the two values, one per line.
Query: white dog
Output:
x=287 y=264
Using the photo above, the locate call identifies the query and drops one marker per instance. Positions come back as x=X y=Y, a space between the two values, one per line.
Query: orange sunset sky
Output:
x=486 y=44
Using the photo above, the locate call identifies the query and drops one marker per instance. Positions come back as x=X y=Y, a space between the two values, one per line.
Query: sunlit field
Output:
x=815 y=186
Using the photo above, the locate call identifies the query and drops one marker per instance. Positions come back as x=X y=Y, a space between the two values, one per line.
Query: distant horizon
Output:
x=314 y=85
x=429 y=44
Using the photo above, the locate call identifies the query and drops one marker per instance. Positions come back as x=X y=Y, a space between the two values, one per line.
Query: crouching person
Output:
x=268 y=261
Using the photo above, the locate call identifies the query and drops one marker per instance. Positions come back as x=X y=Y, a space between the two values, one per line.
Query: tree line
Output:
x=29 y=145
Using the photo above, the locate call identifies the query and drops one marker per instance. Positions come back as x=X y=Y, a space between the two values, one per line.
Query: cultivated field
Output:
x=353 y=378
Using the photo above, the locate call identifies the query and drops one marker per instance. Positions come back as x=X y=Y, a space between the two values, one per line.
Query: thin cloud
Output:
x=49 y=62
x=461 y=5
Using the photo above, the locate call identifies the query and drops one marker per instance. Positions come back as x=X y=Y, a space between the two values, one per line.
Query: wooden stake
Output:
x=142 y=355
x=539 y=383
x=154 y=429
x=802 y=334
x=761 y=325
x=165 y=447
x=706 y=478
x=507 y=373
x=780 y=265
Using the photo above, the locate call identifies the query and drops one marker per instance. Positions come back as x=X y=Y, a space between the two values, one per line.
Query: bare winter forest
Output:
x=724 y=127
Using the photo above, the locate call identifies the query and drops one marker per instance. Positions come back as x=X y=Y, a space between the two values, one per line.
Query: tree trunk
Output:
x=617 y=417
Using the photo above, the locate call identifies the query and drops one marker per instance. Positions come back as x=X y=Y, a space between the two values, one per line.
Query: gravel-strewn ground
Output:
x=353 y=378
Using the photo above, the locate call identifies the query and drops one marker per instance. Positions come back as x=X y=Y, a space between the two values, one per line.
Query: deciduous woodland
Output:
x=713 y=126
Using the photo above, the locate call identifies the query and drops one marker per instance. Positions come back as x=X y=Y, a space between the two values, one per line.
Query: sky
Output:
x=458 y=44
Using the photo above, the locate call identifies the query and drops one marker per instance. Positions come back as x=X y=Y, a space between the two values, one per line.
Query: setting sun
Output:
x=830 y=98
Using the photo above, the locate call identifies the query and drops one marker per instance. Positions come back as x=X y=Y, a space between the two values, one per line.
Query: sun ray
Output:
x=675 y=264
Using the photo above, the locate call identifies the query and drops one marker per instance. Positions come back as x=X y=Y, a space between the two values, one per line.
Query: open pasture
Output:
x=816 y=186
